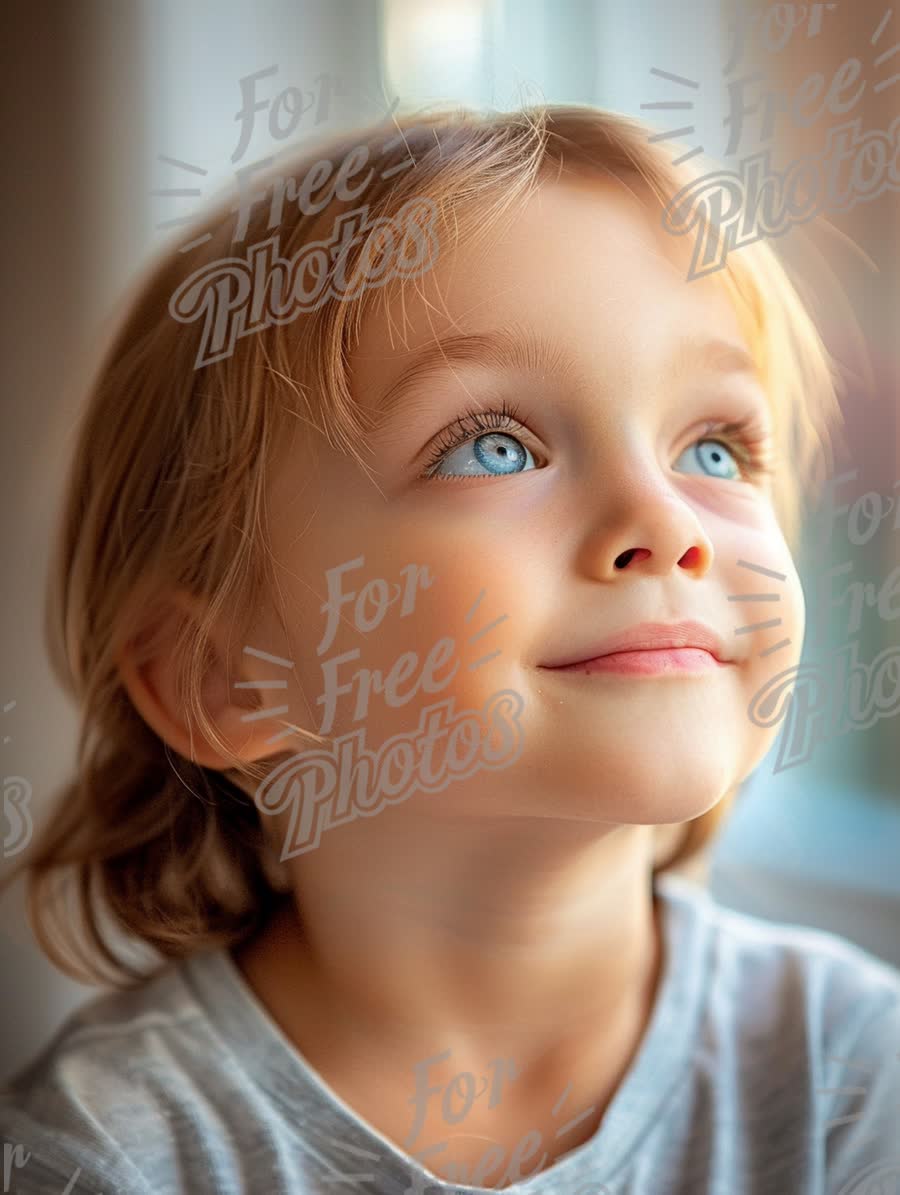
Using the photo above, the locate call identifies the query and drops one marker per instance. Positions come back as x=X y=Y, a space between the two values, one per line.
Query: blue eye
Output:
x=498 y=452
x=714 y=458
x=490 y=444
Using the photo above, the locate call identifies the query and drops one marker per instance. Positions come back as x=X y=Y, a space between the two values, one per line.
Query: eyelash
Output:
x=746 y=438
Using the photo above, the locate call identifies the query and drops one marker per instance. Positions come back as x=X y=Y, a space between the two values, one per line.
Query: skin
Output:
x=512 y=914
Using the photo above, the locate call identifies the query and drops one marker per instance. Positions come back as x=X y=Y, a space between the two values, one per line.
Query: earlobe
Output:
x=148 y=666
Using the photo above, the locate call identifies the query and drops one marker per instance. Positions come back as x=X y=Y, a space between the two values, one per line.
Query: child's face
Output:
x=604 y=461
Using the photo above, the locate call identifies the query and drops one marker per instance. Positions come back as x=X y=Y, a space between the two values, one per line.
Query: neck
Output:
x=536 y=943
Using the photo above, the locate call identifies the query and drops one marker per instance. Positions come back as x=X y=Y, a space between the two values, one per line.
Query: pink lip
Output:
x=651 y=648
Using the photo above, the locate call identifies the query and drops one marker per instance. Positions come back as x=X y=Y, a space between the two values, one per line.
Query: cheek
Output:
x=796 y=610
x=408 y=624
x=758 y=567
x=772 y=651
x=776 y=648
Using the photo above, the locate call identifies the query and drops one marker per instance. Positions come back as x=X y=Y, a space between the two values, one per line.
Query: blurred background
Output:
x=120 y=119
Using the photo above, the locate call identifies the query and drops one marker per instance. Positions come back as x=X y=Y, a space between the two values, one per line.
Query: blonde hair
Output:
x=167 y=488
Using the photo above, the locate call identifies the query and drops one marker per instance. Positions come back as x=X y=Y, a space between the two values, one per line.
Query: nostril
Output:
x=691 y=558
x=625 y=559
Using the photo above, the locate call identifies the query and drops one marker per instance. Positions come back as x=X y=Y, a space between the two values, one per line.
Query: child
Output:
x=404 y=588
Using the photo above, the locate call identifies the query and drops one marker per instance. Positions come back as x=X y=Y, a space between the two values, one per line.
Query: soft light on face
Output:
x=604 y=479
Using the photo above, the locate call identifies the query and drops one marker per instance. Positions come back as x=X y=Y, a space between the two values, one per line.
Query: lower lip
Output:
x=649 y=663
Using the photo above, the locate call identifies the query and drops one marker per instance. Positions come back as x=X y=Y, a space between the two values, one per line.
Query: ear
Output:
x=147 y=667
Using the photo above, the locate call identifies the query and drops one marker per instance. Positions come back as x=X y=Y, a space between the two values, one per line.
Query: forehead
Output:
x=583 y=264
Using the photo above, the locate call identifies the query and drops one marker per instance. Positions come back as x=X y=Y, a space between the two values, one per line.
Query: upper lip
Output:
x=651 y=636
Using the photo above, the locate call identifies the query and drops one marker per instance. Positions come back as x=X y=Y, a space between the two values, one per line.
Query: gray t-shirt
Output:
x=770 y=1066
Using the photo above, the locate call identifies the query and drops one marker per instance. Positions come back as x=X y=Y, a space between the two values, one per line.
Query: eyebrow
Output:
x=529 y=351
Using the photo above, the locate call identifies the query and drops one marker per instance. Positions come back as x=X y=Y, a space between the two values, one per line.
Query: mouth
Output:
x=655 y=662
x=650 y=649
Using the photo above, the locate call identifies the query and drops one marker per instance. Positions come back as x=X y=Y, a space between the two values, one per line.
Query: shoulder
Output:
x=829 y=1013
x=105 y=1093
x=826 y=974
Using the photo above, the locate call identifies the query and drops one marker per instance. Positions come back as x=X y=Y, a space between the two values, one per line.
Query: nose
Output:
x=649 y=530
